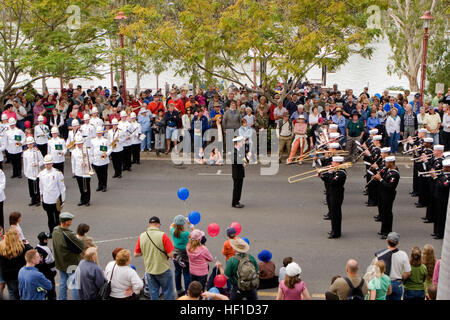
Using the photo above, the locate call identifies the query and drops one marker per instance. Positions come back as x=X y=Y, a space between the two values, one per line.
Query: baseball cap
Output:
x=154 y=219
x=393 y=236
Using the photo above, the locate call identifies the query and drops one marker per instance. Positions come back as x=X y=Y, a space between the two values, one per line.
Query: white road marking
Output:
x=407 y=166
x=111 y=240
x=215 y=174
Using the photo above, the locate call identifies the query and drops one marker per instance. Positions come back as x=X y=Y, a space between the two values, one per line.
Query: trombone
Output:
x=412 y=150
x=88 y=164
x=332 y=153
x=315 y=172
x=36 y=170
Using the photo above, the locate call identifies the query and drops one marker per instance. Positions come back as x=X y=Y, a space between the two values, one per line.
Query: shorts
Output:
x=172 y=133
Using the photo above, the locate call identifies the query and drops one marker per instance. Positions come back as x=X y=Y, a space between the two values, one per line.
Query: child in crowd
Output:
x=47 y=263
x=215 y=159
x=282 y=272
x=227 y=250
x=267 y=276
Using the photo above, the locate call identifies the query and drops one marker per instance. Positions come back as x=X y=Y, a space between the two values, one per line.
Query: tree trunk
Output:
x=138 y=80
x=413 y=84
x=444 y=268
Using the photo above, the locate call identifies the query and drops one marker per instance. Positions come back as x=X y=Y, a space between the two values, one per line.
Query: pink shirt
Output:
x=11 y=114
x=198 y=260
x=300 y=127
x=436 y=272
x=295 y=293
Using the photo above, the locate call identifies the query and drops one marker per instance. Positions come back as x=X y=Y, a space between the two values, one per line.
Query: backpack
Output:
x=355 y=293
x=247 y=277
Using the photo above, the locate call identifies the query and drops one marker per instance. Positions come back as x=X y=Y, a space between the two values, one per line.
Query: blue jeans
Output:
x=414 y=295
x=435 y=137
x=172 y=133
x=397 y=291
x=163 y=281
x=186 y=276
x=147 y=142
x=63 y=277
x=393 y=141
x=201 y=279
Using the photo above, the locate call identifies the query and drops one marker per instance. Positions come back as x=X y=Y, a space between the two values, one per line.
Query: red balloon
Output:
x=27 y=124
x=45 y=120
x=220 y=281
x=213 y=229
x=236 y=226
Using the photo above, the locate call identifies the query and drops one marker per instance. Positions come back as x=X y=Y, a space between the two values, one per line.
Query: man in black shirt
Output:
x=349 y=107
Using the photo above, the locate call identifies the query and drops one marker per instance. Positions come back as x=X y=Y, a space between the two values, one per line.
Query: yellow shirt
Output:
x=432 y=121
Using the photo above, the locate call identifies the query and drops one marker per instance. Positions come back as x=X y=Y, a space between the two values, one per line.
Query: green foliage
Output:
x=287 y=37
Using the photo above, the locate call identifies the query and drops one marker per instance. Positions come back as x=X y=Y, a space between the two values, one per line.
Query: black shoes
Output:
x=87 y=204
x=333 y=236
x=419 y=205
x=383 y=237
x=80 y=204
x=99 y=189
x=438 y=237
x=326 y=217
x=104 y=189
x=371 y=204
x=20 y=177
x=427 y=221
x=239 y=206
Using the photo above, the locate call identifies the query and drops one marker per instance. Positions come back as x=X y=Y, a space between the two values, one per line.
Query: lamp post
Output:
x=427 y=17
x=119 y=18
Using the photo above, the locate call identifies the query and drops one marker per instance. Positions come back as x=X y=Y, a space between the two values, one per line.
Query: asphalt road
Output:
x=281 y=217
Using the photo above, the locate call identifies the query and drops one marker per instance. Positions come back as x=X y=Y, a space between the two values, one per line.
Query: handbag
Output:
x=105 y=290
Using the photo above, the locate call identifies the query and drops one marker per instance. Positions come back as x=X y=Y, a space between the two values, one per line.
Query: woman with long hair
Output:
x=12 y=259
x=415 y=284
x=429 y=260
x=199 y=257
x=180 y=238
x=293 y=288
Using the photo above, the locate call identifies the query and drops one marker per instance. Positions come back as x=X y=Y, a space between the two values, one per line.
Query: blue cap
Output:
x=231 y=231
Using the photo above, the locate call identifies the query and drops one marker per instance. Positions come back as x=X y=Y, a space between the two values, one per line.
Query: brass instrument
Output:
x=406 y=140
x=412 y=150
x=114 y=142
x=418 y=158
x=103 y=156
x=18 y=144
x=309 y=174
x=86 y=164
x=71 y=145
x=428 y=173
x=36 y=169
x=333 y=153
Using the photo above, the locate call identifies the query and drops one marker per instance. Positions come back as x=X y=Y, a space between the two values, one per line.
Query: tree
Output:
x=404 y=29
x=41 y=39
x=287 y=37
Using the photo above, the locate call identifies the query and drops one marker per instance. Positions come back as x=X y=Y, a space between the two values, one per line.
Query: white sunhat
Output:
x=12 y=121
x=29 y=140
x=386 y=149
x=4 y=116
x=79 y=139
x=123 y=114
x=293 y=269
x=94 y=110
x=54 y=130
x=132 y=115
x=114 y=121
x=48 y=159
x=75 y=122
x=428 y=140
x=86 y=117
x=99 y=129
x=41 y=118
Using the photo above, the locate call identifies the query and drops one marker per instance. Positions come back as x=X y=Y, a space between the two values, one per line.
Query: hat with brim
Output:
x=390 y=159
x=239 y=245
x=378 y=137
x=446 y=163
x=239 y=138
x=386 y=149
x=428 y=140
x=54 y=130
x=373 y=131
x=334 y=145
x=423 y=130
x=79 y=140
x=48 y=159
x=66 y=216
x=338 y=159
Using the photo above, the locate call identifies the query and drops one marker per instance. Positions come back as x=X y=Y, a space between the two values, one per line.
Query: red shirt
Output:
x=168 y=246
x=112 y=116
x=178 y=105
x=135 y=106
x=154 y=107
x=272 y=107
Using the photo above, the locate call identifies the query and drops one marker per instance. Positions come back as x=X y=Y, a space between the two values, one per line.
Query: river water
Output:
x=355 y=74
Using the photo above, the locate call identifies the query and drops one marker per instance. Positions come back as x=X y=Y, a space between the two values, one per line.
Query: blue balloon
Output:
x=194 y=217
x=183 y=193
x=246 y=240
x=378 y=95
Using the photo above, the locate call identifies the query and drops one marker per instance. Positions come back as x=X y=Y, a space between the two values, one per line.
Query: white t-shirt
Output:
x=446 y=122
x=399 y=265
x=123 y=278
